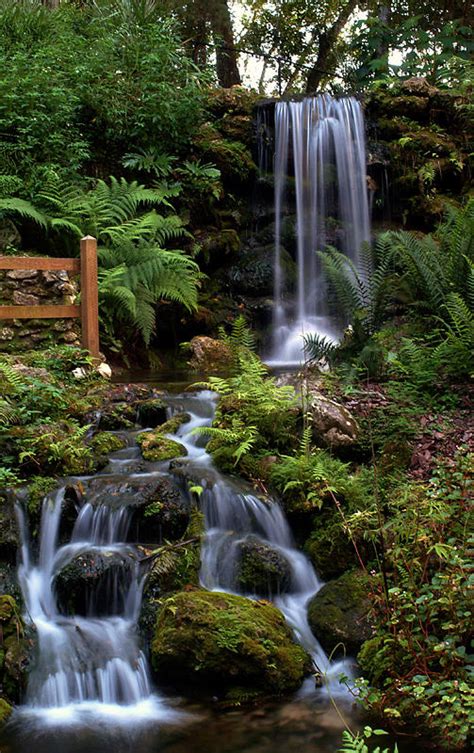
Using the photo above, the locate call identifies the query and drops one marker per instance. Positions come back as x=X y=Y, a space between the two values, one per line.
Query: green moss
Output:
x=5 y=710
x=172 y=425
x=38 y=488
x=152 y=412
x=337 y=614
x=225 y=643
x=155 y=447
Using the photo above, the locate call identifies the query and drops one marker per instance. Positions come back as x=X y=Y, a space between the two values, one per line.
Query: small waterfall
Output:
x=235 y=517
x=323 y=138
x=86 y=665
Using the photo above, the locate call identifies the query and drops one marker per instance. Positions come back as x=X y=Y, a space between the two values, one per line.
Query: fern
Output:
x=358 y=743
x=319 y=348
x=24 y=209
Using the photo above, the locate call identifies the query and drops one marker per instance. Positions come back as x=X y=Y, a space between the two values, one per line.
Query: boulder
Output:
x=94 y=583
x=262 y=570
x=8 y=528
x=151 y=413
x=338 y=614
x=158 y=509
x=332 y=424
x=209 y=354
x=15 y=649
x=229 y=646
x=117 y=416
x=155 y=447
x=172 y=425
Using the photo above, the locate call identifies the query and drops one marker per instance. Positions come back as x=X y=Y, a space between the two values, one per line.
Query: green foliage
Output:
x=254 y=414
x=419 y=658
x=358 y=743
x=111 y=81
x=319 y=348
x=361 y=290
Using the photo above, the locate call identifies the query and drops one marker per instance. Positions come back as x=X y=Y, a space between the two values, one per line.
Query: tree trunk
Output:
x=327 y=42
x=223 y=35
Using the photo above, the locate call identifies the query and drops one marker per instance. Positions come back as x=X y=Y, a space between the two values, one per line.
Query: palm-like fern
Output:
x=360 y=288
x=134 y=277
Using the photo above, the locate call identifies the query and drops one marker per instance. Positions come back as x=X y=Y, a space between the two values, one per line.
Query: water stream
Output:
x=320 y=146
x=91 y=676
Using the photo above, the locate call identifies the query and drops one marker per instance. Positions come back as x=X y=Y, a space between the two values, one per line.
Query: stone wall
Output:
x=29 y=287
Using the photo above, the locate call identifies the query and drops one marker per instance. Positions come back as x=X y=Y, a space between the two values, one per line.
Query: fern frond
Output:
x=23 y=209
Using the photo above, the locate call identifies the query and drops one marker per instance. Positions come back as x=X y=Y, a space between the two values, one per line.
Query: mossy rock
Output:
x=5 y=710
x=172 y=425
x=262 y=570
x=117 y=416
x=103 y=443
x=165 y=515
x=155 y=447
x=9 y=540
x=329 y=547
x=15 y=649
x=338 y=613
x=151 y=413
x=94 y=578
x=225 y=644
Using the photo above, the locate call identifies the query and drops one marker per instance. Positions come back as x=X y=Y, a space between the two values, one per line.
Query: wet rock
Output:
x=209 y=354
x=95 y=583
x=8 y=528
x=15 y=649
x=226 y=645
x=158 y=508
x=262 y=570
x=338 y=613
x=172 y=425
x=156 y=448
x=166 y=513
x=152 y=412
x=119 y=415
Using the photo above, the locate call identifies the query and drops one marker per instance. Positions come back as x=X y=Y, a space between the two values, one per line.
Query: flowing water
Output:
x=320 y=143
x=91 y=677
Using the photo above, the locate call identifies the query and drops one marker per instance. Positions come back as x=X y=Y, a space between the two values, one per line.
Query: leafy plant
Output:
x=358 y=743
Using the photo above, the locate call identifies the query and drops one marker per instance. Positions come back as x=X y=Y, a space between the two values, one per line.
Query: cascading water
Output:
x=87 y=665
x=234 y=516
x=323 y=138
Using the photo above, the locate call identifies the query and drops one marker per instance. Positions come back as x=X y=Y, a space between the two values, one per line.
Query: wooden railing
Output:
x=88 y=311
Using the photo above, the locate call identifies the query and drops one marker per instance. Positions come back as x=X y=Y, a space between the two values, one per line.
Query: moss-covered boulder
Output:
x=15 y=650
x=209 y=354
x=152 y=412
x=8 y=528
x=329 y=547
x=116 y=416
x=338 y=613
x=165 y=514
x=102 y=444
x=262 y=569
x=227 y=646
x=155 y=447
x=97 y=579
x=172 y=425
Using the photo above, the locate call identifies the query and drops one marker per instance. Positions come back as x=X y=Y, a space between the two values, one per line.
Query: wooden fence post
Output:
x=89 y=296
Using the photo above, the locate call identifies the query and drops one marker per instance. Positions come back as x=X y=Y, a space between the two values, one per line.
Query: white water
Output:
x=325 y=138
x=89 y=666
x=86 y=666
x=232 y=517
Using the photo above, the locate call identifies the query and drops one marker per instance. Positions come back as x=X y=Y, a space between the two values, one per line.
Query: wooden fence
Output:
x=88 y=311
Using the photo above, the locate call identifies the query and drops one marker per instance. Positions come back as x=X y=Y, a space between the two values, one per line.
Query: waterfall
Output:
x=234 y=516
x=87 y=665
x=322 y=139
